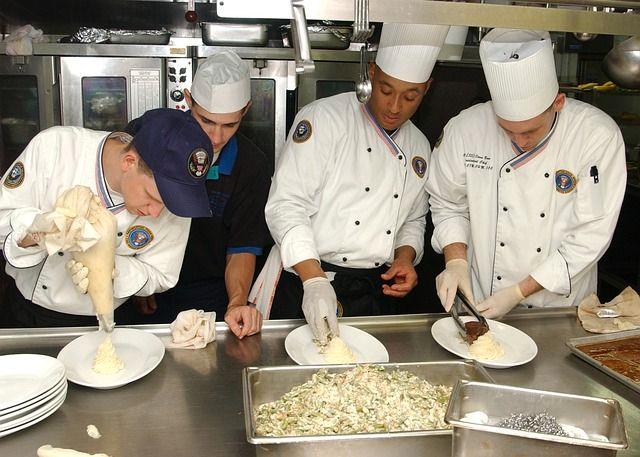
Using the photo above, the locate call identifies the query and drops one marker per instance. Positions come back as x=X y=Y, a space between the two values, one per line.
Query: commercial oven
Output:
x=29 y=102
x=329 y=78
x=105 y=93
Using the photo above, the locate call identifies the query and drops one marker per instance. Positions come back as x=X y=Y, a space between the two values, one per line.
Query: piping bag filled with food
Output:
x=81 y=225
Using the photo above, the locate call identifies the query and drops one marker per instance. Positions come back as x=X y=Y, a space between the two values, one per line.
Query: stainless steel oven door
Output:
x=29 y=102
x=329 y=78
x=105 y=93
x=265 y=122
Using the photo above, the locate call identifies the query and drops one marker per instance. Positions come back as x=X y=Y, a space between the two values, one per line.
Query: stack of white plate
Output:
x=32 y=387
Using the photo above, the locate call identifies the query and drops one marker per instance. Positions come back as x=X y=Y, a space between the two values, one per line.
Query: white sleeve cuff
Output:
x=453 y=230
x=19 y=257
x=298 y=244
x=553 y=274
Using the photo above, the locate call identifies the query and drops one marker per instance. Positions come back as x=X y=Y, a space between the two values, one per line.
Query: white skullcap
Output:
x=409 y=51
x=520 y=72
x=222 y=83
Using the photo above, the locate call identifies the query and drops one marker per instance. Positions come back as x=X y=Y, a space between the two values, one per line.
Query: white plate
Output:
x=367 y=349
x=26 y=376
x=140 y=352
x=33 y=405
x=35 y=416
x=518 y=347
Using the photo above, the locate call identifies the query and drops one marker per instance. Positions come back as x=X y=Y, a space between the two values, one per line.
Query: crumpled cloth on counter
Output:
x=627 y=304
x=20 y=41
x=193 y=329
x=68 y=227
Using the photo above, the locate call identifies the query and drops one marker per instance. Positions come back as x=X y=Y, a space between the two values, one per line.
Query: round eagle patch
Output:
x=419 y=166
x=138 y=236
x=198 y=165
x=302 y=132
x=565 y=181
x=15 y=177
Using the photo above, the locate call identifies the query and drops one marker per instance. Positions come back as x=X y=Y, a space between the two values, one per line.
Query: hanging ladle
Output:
x=363 y=86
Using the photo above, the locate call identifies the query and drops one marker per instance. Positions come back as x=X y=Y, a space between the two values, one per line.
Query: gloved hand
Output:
x=500 y=303
x=455 y=276
x=79 y=275
x=319 y=305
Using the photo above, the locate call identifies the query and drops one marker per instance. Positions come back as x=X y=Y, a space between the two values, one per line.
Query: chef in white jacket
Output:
x=152 y=183
x=347 y=206
x=525 y=189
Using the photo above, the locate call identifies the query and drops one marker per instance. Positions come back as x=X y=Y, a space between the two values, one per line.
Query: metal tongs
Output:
x=469 y=330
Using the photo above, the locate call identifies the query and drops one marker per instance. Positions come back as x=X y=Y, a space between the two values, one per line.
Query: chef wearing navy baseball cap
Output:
x=525 y=189
x=151 y=183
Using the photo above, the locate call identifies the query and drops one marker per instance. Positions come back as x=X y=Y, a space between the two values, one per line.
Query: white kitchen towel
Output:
x=20 y=41
x=264 y=288
x=68 y=227
x=627 y=304
x=193 y=329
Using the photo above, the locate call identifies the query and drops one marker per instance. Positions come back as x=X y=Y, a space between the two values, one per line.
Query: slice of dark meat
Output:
x=474 y=330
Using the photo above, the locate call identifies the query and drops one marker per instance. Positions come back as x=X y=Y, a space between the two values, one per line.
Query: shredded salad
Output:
x=364 y=399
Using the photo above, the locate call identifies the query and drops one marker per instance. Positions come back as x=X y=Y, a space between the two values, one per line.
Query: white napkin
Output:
x=264 y=288
x=68 y=227
x=20 y=42
x=193 y=329
x=627 y=303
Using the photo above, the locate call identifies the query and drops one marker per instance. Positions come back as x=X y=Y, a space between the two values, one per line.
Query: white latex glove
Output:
x=319 y=305
x=455 y=276
x=500 y=303
x=79 y=275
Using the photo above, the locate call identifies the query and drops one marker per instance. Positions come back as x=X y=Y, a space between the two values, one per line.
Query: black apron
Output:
x=358 y=290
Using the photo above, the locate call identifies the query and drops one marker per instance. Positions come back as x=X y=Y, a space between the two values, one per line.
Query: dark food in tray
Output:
x=621 y=356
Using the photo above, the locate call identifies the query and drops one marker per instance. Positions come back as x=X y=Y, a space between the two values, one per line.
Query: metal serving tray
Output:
x=573 y=344
x=265 y=384
x=593 y=415
x=223 y=34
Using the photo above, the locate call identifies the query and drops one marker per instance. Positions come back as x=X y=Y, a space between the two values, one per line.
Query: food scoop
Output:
x=473 y=329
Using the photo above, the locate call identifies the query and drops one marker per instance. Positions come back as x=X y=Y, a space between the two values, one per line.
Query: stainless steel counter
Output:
x=191 y=404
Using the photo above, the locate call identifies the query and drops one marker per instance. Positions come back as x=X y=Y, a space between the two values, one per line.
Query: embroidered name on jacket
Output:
x=218 y=202
x=481 y=162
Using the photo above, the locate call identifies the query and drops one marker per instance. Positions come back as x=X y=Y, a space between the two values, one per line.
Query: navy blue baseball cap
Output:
x=179 y=153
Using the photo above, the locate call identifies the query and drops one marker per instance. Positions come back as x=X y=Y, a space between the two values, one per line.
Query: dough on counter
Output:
x=486 y=348
x=93 y=432
x=49 y=451
x=337 y=351
x=106 y=360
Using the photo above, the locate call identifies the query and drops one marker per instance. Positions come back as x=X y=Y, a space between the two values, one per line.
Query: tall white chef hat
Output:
x=409 y=51
x=520 y=72
x=222 y=83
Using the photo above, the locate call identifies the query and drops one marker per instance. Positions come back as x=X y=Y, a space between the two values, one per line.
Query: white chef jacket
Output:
x=149 y=251
x=539 y=213
x=345 y=191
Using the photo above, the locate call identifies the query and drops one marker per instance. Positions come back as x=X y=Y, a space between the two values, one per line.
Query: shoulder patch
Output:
x=198 y=165
x=565 y=181
x=419 y=166
x=15 y=177
x=302 y=132
x=138 y=236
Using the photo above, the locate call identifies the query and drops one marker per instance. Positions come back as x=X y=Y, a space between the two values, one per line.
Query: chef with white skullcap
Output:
x=525 y=189
x=221 y=253
x=347 y=204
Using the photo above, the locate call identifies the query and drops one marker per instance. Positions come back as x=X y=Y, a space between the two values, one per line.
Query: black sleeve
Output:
x=246 y=221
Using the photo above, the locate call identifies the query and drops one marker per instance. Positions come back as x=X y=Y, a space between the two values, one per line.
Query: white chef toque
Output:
x=409 y=51
x=222 y=83
x=520 y=72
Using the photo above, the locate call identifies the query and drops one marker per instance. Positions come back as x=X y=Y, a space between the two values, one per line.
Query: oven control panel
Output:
x=179 y=77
